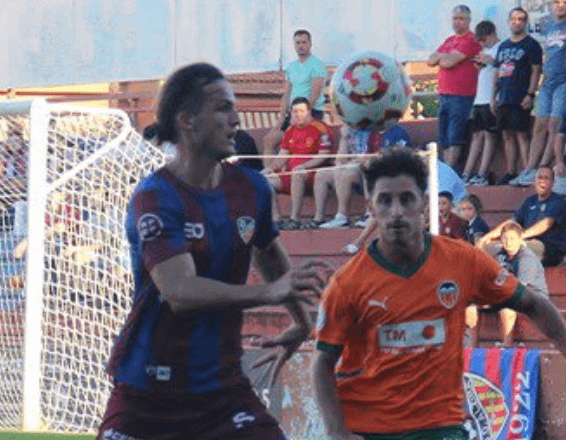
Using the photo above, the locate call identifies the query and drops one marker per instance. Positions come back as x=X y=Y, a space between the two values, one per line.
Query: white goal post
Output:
x=66 y=174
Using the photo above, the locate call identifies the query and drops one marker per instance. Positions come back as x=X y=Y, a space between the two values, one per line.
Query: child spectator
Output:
x=450 y=225
x=470 y=207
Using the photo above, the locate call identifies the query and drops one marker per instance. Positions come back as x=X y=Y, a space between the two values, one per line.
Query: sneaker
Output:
x=525 y=178
x=362 y=222
x=478 y=180
x=313 y=224
x=339 y=221
x=559 y=185
x=505 y=179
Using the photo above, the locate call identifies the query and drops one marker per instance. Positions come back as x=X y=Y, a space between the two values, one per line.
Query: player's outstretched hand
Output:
x=297 y=285
x=300 y=283
x=283 y=347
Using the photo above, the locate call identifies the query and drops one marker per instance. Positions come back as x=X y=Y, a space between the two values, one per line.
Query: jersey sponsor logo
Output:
x=112 y=434
x=412 y=334
x=487 y=407
x=161 y=373
x=448 y=293
x=193 y=230
x=246 y=228
x=377 y=303
x=150 y=227
x=501 y=278
x=242 y=418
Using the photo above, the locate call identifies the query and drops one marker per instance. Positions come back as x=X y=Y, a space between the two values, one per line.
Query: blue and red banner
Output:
x=501 y=387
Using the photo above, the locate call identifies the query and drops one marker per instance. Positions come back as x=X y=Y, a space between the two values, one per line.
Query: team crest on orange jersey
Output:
x=246 y=228
x=448 y=293
x=488 y=411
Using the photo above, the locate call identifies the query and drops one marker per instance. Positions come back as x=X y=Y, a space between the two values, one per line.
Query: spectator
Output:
x=470 y=207
x=518 y=66
x=346 y=177
x=519 y=260
x=246 y=146
x=483 y=120
x=457 y=80
x=450 y=225
x=560 y=181
x=305 y=137
x=551 y=101
x=542 y=215
x=304 y=77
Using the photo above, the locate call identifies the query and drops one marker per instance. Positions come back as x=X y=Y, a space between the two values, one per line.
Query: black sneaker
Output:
x=505 y=179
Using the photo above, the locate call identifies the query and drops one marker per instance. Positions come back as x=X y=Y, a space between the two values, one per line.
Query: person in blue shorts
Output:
x=551 y=102
x=194 y=226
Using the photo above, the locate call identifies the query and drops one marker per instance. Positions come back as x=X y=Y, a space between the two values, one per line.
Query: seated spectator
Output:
x=448 y=180
x=517 y=258
x=450 y=225
x=346 y=176
x=305 y=137
x=484 y=125
x=470 y=207
x=246 y=146
x=543 y=218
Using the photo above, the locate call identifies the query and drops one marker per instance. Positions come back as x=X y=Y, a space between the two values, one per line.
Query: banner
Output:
x=501 y=389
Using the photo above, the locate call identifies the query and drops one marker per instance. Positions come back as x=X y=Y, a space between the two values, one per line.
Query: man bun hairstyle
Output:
x=183 y=91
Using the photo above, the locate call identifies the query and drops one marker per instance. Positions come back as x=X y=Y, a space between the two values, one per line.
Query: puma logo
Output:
x=376 y=303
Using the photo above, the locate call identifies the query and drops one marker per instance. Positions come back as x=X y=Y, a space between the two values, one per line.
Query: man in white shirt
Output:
x=484 y=124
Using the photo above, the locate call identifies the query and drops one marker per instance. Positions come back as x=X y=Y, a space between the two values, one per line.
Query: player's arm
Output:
x=317 y=84
x=542 y=312
x=273 y=262
x=452 y=59
x=326 y=394
x=181 y=287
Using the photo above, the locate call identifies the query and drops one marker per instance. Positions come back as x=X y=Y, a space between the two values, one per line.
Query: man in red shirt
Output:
x=457 y=79
x=304 y=139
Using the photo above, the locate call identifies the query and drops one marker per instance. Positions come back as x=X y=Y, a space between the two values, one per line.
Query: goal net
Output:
x=66 y=174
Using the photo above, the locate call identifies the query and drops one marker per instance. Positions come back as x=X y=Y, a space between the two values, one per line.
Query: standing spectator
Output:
x=457 y=81
x=346 y=177
x=551 y=101
x=304 y=77
x=303 y=139
x=450 y=225
x=483 y=120
x=543 y=217
x=518 y=259
x=470 y=207
x=518 y=68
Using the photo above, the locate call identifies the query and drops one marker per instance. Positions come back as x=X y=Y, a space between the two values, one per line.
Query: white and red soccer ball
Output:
x=370 y=88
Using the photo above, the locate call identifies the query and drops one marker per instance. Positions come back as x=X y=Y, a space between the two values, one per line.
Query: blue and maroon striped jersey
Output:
x=190 y=352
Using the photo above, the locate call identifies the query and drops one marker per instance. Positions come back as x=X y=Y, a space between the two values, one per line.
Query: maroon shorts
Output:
x=234 y=414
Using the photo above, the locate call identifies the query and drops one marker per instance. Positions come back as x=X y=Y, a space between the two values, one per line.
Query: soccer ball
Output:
x=370 y=88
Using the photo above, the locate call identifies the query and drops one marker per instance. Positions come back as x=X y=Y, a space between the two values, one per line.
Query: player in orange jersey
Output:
x=391 y=323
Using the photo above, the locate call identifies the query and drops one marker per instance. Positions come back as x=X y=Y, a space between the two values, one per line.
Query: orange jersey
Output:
x=312 y=139
x=401 y=333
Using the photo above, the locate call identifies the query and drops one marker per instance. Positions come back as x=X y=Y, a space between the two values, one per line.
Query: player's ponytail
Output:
x=183 y=91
